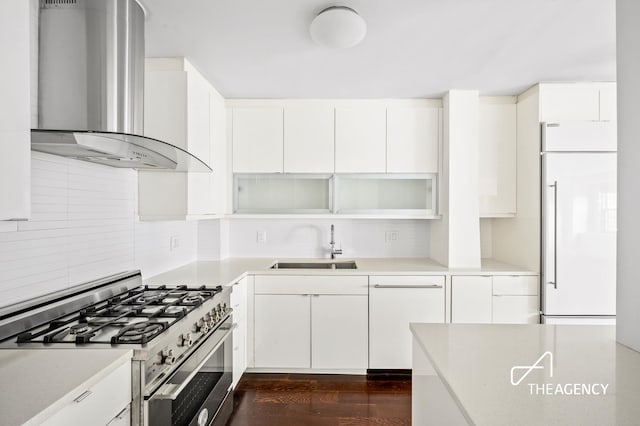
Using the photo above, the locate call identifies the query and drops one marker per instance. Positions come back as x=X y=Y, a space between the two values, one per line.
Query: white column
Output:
x=628 y=68
x=15 y=110
x=455 y=239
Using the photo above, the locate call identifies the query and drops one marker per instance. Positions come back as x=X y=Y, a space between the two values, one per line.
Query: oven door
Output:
x=197 y=394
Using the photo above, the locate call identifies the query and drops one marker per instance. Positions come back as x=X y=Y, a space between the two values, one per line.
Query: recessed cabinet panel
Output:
x=257 y=140
x=412 y=139
x=308 y=139
x=569 y=102
x=360 y=140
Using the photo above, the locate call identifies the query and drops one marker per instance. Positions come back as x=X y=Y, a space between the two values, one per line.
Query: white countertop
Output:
x=474 y=363
x=35 y=383
x=228 y=271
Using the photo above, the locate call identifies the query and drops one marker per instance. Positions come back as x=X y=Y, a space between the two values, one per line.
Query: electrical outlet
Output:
x=261 y=237
x=390 y=236
x=174 y=242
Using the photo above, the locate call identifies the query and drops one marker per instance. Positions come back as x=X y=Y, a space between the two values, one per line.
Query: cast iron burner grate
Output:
x=140 y=332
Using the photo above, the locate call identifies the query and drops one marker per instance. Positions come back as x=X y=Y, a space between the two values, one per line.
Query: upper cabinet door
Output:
x=257 y=140
x=308 y=139
x=412 y=139
x=497 y=159
x=361 y=139
x=569 y=102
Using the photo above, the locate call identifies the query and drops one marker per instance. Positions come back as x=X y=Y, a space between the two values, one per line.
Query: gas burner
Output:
x=79 y=328
x=140 y=332
x=193 y=300
x=149 y=298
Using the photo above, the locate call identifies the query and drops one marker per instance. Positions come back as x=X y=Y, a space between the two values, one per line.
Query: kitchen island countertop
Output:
x=228 y=271
x=37 y=383
x=581 y=375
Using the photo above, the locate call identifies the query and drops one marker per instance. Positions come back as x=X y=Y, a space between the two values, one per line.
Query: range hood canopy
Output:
x=90 y=87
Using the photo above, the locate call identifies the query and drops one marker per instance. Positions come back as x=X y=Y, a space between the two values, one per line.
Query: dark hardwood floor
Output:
x=322 y=400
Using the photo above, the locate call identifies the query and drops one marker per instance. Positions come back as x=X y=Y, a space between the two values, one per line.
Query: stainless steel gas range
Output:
x=180 y=337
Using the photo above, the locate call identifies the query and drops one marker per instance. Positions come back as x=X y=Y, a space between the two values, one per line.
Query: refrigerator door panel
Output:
x=579 y=136
x=579 y=234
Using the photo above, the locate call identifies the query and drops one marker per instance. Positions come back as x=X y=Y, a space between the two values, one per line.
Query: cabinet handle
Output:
x=84 y=395
x=315 y=295
x=305 y=295
x=408 y=286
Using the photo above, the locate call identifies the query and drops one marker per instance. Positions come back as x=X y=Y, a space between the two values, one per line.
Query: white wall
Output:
x=628 y=69
x=310 y=238
x=83 y=227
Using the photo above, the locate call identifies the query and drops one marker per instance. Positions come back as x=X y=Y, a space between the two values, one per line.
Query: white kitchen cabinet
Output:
x=497 y=156
x=502 y=299
x=608 y=101
x=339 y=330
x=317 y=322
x=471 y=298
x=394 y=302
x=239 y=307
x=100 y=403
x=413 y=139
x=515 y=299
x=257 y=139
x=308 y=139
x=589 y=101
x=179 y=108
x=360 y=139
x=15 y=112
x=282 y=330
x=123 y=418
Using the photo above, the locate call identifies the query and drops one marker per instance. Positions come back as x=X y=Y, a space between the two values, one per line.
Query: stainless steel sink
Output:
x=350 y=264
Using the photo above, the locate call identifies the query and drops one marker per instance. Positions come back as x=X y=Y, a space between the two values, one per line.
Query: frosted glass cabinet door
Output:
x=361 y=140
x=412 y=139
x=257 y=140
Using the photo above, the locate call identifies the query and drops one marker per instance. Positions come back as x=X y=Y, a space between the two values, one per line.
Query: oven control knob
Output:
x=224 y=308
x=168 y=357
x=202 y=326
x=185 y=340
x=210 y=319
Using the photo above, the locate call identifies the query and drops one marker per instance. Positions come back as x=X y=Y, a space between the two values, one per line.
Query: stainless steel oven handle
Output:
x=175 y=391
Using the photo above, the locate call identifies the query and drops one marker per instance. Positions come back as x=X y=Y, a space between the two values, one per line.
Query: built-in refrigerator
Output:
x=578 y=194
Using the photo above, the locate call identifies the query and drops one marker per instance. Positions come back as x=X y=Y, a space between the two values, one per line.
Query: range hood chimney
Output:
x=90 y=87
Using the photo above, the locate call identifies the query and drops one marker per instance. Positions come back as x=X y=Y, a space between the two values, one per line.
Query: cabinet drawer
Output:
x=98 y=404
x=406 y=281
x=520 y=285
x=305 y=284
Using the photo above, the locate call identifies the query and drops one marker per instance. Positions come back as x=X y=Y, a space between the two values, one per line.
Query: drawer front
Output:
x=419 y=281
x=98 y=404
x=519 y=285
x=308 y=284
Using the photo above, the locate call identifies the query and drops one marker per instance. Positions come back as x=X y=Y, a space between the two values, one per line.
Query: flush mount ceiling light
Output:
x=338 y=27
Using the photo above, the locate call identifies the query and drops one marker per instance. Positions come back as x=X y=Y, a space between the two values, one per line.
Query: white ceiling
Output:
x=413 y=48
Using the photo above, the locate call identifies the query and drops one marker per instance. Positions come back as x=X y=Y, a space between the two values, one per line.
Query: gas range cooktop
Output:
x=134 y=317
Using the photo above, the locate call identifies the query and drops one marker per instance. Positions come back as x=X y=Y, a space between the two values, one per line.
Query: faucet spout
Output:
x=332 y=243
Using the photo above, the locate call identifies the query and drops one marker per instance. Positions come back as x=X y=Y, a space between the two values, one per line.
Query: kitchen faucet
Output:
x=332 y=243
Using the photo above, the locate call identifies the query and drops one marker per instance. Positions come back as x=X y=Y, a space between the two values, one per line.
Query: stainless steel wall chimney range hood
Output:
x=90 y=87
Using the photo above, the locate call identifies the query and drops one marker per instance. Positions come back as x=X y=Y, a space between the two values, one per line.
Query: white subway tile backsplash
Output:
x=83 y=227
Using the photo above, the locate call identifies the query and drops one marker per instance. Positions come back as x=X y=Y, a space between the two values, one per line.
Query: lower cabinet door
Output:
x=394 y=302
x=471 y=298
x=339 y=331
x=282 y=332
x=516 y=310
